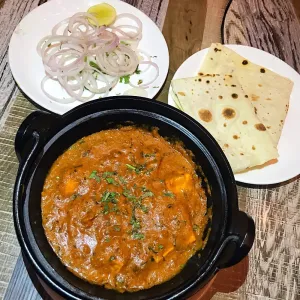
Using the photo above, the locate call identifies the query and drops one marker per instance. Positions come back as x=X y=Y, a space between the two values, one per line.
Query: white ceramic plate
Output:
x=288 y=165
x=27 y=67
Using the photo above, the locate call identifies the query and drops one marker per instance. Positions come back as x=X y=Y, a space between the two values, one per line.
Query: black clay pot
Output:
x=42 y=137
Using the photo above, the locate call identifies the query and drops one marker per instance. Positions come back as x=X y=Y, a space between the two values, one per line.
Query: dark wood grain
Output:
x=11 y=13
x=296 y=4
x=183 y=29
x=270 y=25
x=24 y=284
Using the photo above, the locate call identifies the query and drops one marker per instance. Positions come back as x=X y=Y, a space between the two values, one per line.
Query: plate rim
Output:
x=56 y=110
x=239 y=177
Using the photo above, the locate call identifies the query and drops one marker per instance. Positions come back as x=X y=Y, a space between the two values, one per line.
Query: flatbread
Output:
x=268 y=92
x=219 y=103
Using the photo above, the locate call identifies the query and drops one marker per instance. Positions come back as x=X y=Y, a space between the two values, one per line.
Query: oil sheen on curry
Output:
x=124 y=208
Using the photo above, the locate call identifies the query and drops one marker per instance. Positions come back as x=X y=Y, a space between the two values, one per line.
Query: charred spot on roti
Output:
x=254 y=97
x=205 y=115
x=245 y=62
x=253 y=148
x=228 y=113
x=245 y=122
x=216 y=49
x=199 y=79
x=220 y=97
x=236 y=137
x=201 y=74
x=268 y=127
x=234 y=96
x=181 y=93
x=255 y=110
x=233 y=85
x=246 y=96
x=207 y=92
x=281 y=121
x=260 y=127
x=225 y=125
x=226 y=145
x=262 y=70
x=207 y=81
x=260 y=85
x=211 y=58
x=268 y=98
x=241 y=153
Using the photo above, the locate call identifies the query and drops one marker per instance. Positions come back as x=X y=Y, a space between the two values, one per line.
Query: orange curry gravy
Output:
x=124 y=208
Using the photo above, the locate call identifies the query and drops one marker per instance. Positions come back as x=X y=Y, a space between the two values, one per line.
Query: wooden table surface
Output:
x=190 y=25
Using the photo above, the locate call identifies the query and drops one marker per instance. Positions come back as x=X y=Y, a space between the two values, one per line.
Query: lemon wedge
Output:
x=104 y=13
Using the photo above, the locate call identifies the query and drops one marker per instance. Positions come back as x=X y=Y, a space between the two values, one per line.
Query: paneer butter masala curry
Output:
x=124 y=208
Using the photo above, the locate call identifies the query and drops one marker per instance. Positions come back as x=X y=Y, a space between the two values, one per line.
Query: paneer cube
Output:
x=179 y=183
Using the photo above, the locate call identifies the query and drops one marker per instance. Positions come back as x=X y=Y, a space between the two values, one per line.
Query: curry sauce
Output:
x=124 y=208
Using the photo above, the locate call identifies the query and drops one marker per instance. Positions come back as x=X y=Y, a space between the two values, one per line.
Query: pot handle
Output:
x=35 y=126
x=239 y=241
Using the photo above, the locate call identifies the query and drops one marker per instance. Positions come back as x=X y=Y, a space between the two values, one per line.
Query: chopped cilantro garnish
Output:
x=130 y=167
x=105 y=197
x=144 y=208
x=73 y=197
x=117 y=228
x=195 y=227
x=137 y=169
x=109 y=197
x=124 y=43
x=148 y=154
x=107 y=239
x=140 y=81
x=137 y=71
x=147 y=194
x=125 y=79
x=160 y=246
x=94 y=175
x=134 y=222
x=110 y=180
x=112 y=258
x=115 y=209
x=152 y=249
x=106 y=174
x=122 y=179
x=94 y=65
x=138 y=236
x=168 y=194
x=105 y=209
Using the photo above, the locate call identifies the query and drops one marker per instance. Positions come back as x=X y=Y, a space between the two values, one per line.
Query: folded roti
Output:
x=268 y=92
x=219 y=103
